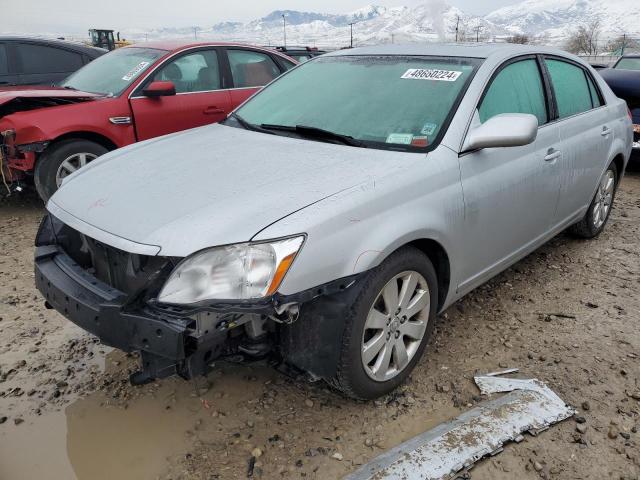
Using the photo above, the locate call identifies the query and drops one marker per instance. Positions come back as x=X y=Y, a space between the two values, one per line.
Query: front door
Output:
x=200 y=97
x=7 y=76
x=510 y=193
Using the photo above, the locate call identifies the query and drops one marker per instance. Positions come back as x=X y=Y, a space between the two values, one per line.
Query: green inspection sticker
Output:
x=429 y=129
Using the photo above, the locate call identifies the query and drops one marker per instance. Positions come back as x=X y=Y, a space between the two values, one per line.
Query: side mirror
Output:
x=504 y=130
x=159 y=89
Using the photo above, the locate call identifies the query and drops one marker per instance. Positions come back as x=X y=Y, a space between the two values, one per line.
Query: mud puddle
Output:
x=138 y=437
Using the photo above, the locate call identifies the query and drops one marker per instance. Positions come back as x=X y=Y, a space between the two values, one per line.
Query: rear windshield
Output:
x=112 y=73
x=628 y=64
x=394 y=102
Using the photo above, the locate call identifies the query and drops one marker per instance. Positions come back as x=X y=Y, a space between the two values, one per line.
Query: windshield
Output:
x=628 y=64
x=398 y=103
x=112 y=73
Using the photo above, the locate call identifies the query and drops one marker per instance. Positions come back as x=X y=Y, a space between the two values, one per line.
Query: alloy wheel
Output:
x=71 y=164
x=395 y=326
x=604 y=199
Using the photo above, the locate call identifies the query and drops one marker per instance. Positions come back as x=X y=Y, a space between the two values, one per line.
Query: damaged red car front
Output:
x=132 y=94
x=18 y=157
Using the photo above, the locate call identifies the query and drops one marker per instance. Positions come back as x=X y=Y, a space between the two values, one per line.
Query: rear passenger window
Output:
x=517 y=88
x=573 y=93
x=4 y=64
x=251 y=69
x=595 y=98
x=43 y=59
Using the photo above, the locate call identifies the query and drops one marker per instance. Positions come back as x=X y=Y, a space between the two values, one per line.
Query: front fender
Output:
x=357 y=229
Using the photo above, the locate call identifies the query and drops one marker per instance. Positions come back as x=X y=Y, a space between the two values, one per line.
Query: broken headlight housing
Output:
x=232 y=272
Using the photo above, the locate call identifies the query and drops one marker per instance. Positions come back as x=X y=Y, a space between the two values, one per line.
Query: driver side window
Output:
x=194 y=72
x=517 y=88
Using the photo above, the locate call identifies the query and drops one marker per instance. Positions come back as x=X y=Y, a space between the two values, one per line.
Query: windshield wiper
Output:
x=315 y=132
x=249 y=126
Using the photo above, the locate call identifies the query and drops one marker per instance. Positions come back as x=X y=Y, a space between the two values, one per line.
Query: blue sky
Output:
x=40 y=16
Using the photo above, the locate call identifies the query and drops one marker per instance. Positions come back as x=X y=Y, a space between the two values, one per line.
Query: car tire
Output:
x=59 y=159
x=594 y=221
x=355 y=377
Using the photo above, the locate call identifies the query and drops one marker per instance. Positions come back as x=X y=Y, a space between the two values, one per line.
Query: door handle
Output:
x=213 y=110
x=552 y=154
x=605 y=131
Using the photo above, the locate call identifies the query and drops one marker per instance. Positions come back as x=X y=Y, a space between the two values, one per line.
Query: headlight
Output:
x=232 y=272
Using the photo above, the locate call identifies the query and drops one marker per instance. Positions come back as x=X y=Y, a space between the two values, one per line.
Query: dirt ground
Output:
x=568 y=315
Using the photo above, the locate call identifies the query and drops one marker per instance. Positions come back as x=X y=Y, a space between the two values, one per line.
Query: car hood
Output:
x=210 y=186
x=17 y=99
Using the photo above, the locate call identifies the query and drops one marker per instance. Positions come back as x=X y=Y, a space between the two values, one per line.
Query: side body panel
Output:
x=93 y=116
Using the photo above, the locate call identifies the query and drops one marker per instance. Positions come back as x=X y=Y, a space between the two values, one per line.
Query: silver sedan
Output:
x=331 y=217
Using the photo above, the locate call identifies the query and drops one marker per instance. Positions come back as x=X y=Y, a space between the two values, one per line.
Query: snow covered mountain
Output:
x=555 y=18
x=550 y=21
x=432 y=21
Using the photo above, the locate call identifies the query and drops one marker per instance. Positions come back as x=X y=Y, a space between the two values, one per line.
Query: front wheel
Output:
x=62 y=159
x=389 y=325
x=594 y=221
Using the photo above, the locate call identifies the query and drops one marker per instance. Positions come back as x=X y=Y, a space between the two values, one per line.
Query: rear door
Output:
x=586 y=134
x=201 y=96
x=39 y=64
x=250 y=70
x=510 y=193
x=7 y=77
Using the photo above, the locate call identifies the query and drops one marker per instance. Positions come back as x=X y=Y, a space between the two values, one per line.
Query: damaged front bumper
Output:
x=17 y=160
x=185 y=340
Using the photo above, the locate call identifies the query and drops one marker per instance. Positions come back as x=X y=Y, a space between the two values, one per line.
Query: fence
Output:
x=607 y=60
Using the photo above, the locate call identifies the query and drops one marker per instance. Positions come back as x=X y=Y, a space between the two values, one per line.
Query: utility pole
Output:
x=351 y=25
x=195 y=33
x=478 y=33
x=392 y=35
x=457 y=25
x=284 y=29
x=624 y=44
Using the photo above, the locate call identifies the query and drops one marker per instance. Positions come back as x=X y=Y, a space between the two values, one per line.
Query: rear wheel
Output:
x=598 y=213
x=389 y=326
x=61 y=160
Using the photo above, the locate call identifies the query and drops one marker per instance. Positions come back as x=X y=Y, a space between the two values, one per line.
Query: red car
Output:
x=131 y=94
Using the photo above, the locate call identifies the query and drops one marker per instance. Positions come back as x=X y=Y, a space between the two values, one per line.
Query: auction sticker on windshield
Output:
x=431 y=74
x=135 y=71
x=400 y=138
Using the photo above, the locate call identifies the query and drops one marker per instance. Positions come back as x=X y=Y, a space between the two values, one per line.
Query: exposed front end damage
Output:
x=22 y=140
x=17 y=160
x=112 y=294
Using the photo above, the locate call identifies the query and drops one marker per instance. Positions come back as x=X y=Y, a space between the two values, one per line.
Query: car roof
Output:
x=173 y=45
x=56 y=43
x=468 y=50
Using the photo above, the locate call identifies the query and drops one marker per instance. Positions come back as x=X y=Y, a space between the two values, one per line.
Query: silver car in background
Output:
x=329 y=230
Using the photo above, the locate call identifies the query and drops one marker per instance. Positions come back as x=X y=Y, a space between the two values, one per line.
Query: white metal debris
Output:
x=455 y=446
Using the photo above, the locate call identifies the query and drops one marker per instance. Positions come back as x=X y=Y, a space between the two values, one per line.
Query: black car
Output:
x=35 y=61
x=624 y=80
x=301 y=54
